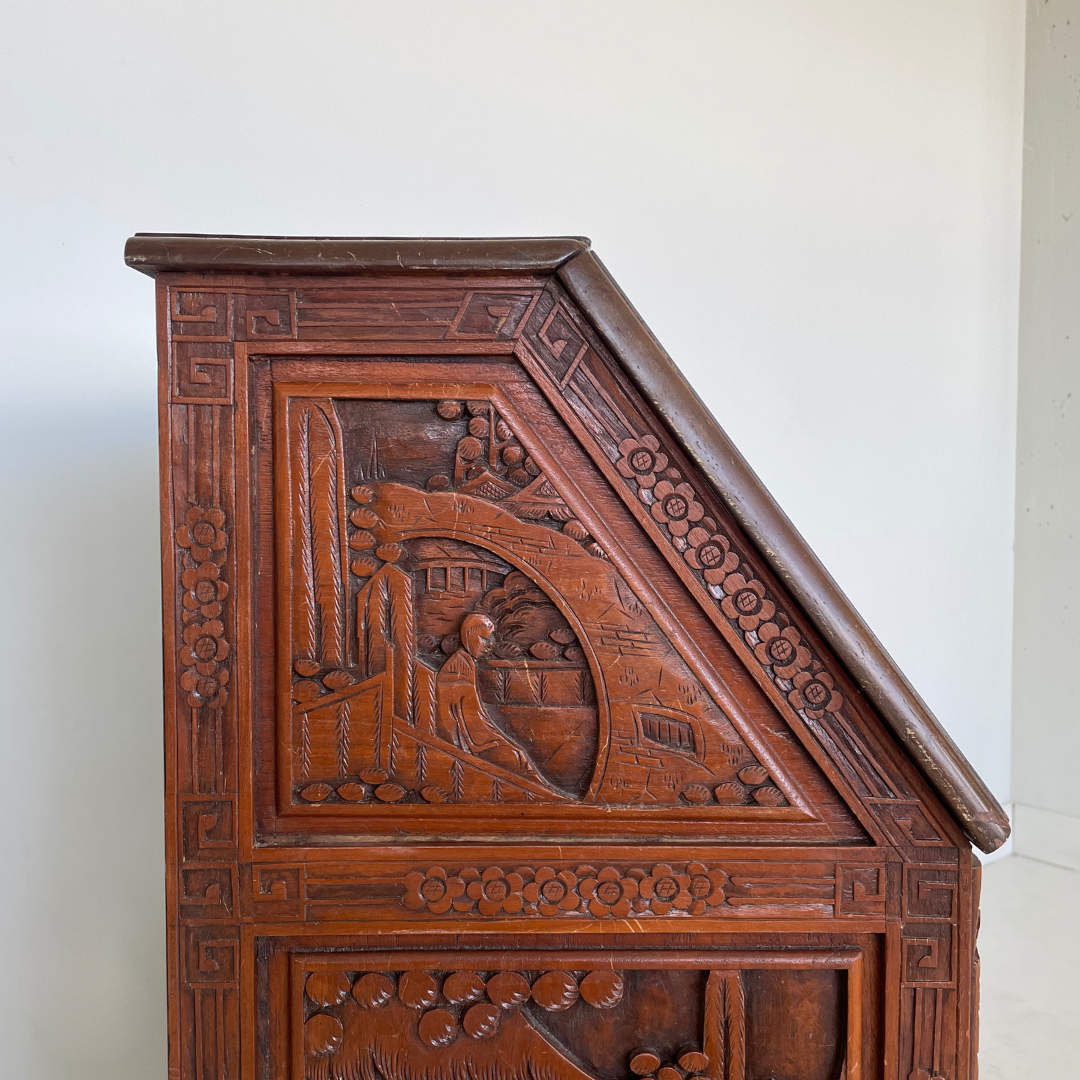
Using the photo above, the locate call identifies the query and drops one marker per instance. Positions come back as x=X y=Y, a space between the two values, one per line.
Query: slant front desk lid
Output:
x=539 y=572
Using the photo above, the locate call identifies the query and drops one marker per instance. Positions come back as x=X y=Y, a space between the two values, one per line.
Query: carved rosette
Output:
x=679 y=513
x=600 y=892
x=204 y=650
x=745 y=601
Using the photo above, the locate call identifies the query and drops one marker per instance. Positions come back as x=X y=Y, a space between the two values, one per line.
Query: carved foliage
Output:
x=469 y=1023
x=318 y=520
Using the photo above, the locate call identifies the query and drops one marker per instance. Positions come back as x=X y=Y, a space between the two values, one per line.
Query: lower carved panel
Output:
x=598 y=1015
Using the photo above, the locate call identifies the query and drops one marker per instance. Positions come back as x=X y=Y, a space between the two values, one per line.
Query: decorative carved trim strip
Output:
x=203 y=323
x=571 y=365
x=736 y=890
x=202 y=541
x=686 y=889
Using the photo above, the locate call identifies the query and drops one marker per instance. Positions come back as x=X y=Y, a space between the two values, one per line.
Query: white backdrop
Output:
x=815 y=204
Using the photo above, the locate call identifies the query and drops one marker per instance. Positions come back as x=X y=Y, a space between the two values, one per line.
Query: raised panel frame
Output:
x=227 y=886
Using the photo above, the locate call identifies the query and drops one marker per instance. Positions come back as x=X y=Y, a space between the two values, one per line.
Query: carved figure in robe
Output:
x=459 y=713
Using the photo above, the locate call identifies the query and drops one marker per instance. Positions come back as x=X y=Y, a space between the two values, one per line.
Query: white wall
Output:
x=815 y=203
x=1046 y=694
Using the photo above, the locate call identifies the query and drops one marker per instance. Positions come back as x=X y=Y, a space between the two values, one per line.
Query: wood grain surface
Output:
x=495 y=745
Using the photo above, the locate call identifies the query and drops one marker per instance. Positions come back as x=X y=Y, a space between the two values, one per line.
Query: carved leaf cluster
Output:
x=491 y=463
x=446 y=1007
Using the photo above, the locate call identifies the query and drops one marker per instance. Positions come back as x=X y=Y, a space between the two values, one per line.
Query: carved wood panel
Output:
x=701 y=541
x=434 y=572
x=579 y=1015
x=460 y=622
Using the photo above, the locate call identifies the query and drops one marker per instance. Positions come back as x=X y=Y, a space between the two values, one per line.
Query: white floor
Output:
x=1030 y=949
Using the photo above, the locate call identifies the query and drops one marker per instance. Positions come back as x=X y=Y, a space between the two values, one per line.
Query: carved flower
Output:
x=676 y=506
x=609 y=893
x=783 y=649
x=746 y=602
x=664 y=890
x=204 y=646
x=205 y=590
x=711 y=554
x=495 y=891
x=553 y=892
x=706 y=887
x=815 y=694
x=202 y=532
x=641 y=460
x=205 y=689
x=432 y=889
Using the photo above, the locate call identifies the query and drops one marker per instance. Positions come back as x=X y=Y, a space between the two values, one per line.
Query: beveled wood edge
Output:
x=669 y=393
x=153 y=253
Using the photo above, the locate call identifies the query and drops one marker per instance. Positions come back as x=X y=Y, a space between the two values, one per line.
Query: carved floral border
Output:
x=746 y=603
x=585 y=890
x=203 y=544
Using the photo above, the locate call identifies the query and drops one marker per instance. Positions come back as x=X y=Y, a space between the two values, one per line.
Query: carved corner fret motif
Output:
x=930 y=925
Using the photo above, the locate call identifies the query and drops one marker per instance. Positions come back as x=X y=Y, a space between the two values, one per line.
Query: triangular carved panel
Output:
x=475 y=621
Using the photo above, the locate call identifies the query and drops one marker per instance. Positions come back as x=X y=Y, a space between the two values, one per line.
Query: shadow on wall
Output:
x=81 y=787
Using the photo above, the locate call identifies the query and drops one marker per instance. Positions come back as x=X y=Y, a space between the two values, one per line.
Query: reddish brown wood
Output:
x=494 y=746
x=780 y=544
x=154 y=252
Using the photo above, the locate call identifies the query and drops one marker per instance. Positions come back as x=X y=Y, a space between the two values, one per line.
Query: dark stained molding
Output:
x=689 y=421
x=154 y=253
x=666 y=389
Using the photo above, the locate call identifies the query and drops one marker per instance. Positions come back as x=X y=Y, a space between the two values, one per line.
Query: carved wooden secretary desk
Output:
x=512 y=731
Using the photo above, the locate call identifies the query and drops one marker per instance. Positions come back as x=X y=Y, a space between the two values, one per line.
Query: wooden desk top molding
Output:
x=154 y=253
x=510 y=726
